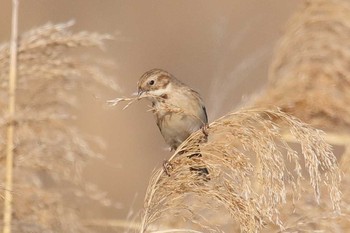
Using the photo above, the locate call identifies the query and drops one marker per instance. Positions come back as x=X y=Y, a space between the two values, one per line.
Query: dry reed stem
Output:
x=10 y=128
x=339 y=139
x=236 y=143
x=116 y=101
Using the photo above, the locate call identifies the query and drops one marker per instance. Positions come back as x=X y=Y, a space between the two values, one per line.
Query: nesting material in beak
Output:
x=140 y=93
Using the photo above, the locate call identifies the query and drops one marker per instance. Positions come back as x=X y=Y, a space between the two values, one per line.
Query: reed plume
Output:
x=251 y=168
x=48 y=150
x=259 y=178
x=309 y=74
x=309 y=78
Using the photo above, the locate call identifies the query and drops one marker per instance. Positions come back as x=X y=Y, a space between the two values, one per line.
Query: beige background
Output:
x=220 y=48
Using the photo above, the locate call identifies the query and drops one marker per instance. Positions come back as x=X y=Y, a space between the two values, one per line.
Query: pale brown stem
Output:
x=340 y=139
x=10 y=128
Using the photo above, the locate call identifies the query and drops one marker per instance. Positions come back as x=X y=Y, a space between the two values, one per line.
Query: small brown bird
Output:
x=179 y=111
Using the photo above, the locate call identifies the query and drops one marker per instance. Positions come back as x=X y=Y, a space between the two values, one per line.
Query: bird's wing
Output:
x=205 y=115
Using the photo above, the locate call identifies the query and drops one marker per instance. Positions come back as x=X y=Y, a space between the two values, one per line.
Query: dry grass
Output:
x=309 y=75
x=310 y=78
x=48 y=150
x=251 y=168
x=256 y=170
x=259 y=180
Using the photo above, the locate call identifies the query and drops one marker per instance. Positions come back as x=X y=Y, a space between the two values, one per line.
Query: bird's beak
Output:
x=140 y=93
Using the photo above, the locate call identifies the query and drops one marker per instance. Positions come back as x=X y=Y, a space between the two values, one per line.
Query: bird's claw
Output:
x=166 y=166
x=205 y=131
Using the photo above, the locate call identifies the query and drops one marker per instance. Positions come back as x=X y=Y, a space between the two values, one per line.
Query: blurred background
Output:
x=222 y=49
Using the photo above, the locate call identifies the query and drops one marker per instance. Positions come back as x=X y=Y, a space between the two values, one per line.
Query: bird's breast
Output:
x=177 y=121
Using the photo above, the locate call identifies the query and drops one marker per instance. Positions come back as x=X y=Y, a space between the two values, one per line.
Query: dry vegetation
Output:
x=49 y=151
x=253 y=172
x=309 y=75
x=255 y=166
x=310 y=78
x=269 y=171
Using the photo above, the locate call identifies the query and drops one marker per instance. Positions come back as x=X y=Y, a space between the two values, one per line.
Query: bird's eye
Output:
x=151 y=82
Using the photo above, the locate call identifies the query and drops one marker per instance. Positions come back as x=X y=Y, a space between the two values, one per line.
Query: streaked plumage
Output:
x=179 y=110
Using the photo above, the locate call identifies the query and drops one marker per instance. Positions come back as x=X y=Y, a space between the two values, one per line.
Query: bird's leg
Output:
x=194 y=155
x=201 y=171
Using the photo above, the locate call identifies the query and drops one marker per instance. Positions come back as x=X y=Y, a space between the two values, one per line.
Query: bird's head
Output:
x=154 y=83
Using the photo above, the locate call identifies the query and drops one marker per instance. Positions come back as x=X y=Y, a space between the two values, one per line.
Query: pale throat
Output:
x=162 y=90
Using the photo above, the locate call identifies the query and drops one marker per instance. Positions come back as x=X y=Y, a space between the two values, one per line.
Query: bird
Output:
x=179 y=110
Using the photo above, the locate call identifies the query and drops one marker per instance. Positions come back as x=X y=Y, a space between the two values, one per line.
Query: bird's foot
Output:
x=166 y=166
x=205 y=131
x=194 y=155
x=201 y=172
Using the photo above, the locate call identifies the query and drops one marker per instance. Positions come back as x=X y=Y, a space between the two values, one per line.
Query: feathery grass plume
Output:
x=250 y=168
x=49 y=151
x=310 y=78
x=309 y=75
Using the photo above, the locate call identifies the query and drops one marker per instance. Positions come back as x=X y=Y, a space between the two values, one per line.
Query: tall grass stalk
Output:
x=11 y=125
